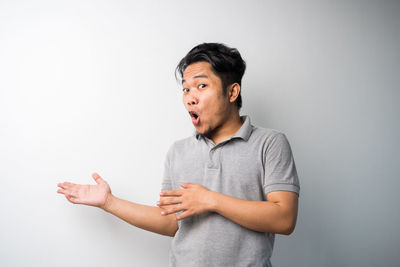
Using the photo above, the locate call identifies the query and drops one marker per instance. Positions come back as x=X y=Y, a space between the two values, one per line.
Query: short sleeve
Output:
x=166 y=181
x=280 y=172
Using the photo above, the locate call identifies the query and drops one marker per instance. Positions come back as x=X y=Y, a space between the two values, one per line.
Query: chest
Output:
x=234 y=169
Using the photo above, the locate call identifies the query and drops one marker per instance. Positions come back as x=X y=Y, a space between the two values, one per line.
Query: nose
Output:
x=192 y=100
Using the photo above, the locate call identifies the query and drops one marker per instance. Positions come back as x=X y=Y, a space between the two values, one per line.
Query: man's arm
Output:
x=146 y=217
x=277 y=215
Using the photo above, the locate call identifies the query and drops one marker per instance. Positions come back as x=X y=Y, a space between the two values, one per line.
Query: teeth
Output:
x=193 y=115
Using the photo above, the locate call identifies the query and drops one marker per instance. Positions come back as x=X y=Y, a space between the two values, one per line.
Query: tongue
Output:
x=195 y=120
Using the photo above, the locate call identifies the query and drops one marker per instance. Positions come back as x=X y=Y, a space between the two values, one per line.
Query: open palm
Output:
x=93 y=195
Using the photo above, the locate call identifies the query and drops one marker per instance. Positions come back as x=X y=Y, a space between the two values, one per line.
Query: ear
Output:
x=234 y=90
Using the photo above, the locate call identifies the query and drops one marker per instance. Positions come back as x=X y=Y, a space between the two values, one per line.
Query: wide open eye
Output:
x=202 y=85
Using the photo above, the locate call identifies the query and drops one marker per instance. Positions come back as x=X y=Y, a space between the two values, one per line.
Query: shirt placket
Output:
x=214 y=154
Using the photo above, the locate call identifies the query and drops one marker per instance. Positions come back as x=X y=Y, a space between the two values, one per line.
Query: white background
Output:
x=88 y=86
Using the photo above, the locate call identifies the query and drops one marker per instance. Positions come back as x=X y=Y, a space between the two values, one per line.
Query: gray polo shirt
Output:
x=248 y=165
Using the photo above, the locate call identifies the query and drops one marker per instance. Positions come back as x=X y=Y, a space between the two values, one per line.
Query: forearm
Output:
x=262 y=216
x=145 y=217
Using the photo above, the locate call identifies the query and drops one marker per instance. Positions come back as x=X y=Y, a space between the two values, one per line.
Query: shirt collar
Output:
x=244 y=132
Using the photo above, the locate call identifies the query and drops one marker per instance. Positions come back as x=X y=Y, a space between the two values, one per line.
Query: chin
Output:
x=199 y=130
x=204 y=131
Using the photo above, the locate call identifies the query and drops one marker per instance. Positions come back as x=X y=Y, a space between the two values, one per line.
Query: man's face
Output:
x=204 y=99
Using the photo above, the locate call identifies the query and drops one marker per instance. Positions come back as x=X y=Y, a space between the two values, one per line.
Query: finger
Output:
x=65 y=185
x=97 y=178
x=177 y=192
x=71 y=199
x=184 y=215
x=64 y=191
x=169 y=200
x=61 y=191
x=186 y=185
x=172 y=209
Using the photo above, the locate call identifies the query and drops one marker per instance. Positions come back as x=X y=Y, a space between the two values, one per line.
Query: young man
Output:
x=228 y=188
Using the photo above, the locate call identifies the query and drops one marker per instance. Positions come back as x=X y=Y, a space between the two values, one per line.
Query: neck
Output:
x=229 y=127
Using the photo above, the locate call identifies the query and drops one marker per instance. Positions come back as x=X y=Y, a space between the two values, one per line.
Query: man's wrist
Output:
x=213 y=201
x=108 y=203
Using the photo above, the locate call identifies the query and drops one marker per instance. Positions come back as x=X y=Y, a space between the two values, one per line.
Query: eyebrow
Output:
x=197 y=76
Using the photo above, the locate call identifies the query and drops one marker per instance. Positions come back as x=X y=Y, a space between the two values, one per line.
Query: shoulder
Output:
x=266 y=135
x=270 y=140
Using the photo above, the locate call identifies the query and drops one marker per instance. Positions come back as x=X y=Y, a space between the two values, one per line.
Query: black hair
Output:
x=225 y=62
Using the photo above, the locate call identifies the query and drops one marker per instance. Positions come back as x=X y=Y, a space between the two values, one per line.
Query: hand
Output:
x=92 y=195
x=193 y=199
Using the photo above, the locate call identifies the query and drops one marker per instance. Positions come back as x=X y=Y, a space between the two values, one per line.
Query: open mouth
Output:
x=195 y=117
